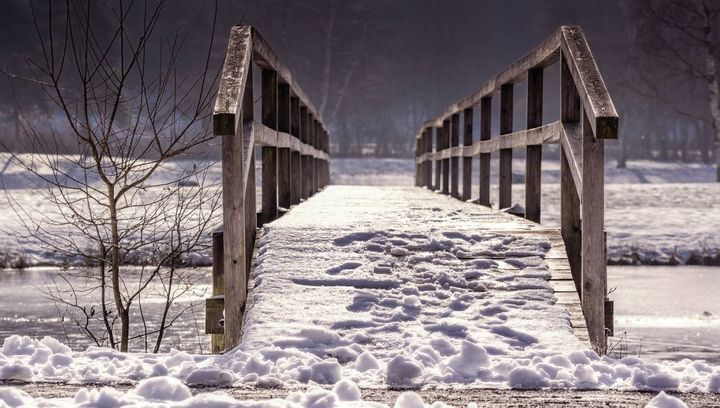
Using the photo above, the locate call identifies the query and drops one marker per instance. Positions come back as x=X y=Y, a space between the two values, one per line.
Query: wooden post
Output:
x=437 y=161
x=313 y=143
x=269 y=153
x=327 y=162
x=485 y=128
x=446 y=162
x=506 y=125
x=283 y=163
x=533 y=153
x=455 y=161
x=569 y=195
x=295 y=155
x=308 y=158
x=428 y=163
x=594 y=275
x=418 y=166
x=467 y=161
x=235 y=205
x=218 y=286
x=304 y=187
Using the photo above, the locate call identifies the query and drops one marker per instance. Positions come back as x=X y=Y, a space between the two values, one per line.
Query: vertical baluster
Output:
x=446 y=162
x=303 y=159
x=506 y=125
x=428 y=163
x=218 y=286
x=313 y=143
x=485 y=128
x=418 y=166
x=236 y=204
x=309 y=158
x=455 y=161
x=533 y=154
x=467 y=161
x=283 y=153
x=569 y=195
x=295 y=155
x=437 y=161
x=269 y=153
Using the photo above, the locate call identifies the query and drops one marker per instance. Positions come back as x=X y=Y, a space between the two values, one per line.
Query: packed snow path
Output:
x=390 y=271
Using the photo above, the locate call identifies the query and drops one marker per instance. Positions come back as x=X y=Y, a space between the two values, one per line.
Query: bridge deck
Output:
x=391 y=270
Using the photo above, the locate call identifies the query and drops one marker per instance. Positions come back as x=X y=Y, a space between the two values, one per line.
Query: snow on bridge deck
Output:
x=403 y=274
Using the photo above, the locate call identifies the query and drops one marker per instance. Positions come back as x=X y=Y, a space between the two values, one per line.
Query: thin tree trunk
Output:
x=714 y=87
x=115 y=271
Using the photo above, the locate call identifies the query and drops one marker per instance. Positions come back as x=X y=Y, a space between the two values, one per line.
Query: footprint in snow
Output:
x=347 y=266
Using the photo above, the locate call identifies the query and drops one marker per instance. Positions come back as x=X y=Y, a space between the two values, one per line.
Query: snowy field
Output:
x=656 y=213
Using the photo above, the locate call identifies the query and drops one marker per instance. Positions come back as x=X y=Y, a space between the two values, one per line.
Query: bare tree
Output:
x=132 y=113
x=682 y=37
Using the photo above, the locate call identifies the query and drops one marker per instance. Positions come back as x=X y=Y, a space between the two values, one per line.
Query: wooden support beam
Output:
x=218 y=289
x=455 y=161
x=283 y=153
x=533 y=153
x=235 y=206
x=485 y=128
x=269 y=153
x=446 y=162
x=506 y=125
x=467 y=161
x=295 y=169
x=308 y=159
x=598 y=106
x=428 y=164
x=437 y=162
x=592 y=200
x=304 y=186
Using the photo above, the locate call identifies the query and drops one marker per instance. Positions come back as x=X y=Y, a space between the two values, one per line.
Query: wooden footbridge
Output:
x=295 y=168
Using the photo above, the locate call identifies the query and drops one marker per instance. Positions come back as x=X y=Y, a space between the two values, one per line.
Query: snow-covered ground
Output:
x=403 y=335
x=404 y=307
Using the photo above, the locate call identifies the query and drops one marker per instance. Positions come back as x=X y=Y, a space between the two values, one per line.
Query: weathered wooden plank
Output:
x=599 y=108
x=506 y=125
x=295 y=150
x=467 y=161
x=533 y=152
x=485 y=129
x=446 y=161
x=283 y=152
x=233 y=80
x=428 y=164
x=436 y=161
x=269 y=114
x=594 y=275
x=237 y=152
x=213 y=315
x=571 y=141
x=218 y=286
x=455 y=160
x=569 y=193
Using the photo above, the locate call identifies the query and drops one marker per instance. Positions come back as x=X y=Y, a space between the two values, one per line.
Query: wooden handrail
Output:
x=295 y=163
x=588 y=117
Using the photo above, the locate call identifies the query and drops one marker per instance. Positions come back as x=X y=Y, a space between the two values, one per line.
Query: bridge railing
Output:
x=295 y=165
x=587 y=117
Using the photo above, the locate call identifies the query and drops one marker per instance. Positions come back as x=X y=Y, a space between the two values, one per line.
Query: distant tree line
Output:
x=377 y=69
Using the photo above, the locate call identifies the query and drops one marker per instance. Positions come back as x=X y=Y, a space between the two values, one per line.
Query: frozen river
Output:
x=660 y=312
